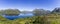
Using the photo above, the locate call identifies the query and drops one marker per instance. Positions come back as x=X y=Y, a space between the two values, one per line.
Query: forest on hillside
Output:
x=41 y=16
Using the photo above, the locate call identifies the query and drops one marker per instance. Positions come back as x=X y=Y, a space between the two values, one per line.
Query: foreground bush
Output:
x=48 y=19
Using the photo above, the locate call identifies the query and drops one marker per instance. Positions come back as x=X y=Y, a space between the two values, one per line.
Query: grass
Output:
x=53 y=20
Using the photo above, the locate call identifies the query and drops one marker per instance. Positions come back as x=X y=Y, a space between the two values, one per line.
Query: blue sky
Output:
x=29 y=4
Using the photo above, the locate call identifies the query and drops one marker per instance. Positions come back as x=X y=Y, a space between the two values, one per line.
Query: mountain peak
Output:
x=57 y=10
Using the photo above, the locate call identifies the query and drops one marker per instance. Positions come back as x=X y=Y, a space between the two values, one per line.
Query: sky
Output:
x=29 y=4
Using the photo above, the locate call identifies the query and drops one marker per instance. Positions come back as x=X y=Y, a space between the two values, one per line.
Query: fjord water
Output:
x=19 y=16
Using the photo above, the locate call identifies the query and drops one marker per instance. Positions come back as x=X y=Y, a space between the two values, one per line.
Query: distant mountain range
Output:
x=56 y=10
x=26 y=12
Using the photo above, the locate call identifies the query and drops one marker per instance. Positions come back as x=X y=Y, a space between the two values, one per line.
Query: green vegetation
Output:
x=41 y=17
x=11 y=12
x=39 y=12
x=49 y=19
x=2 y=18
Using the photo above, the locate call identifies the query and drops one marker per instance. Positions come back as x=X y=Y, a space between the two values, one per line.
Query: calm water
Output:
x=20 y=16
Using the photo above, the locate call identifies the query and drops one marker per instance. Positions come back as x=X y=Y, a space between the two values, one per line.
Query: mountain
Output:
x=38 y=12
x=56 y=10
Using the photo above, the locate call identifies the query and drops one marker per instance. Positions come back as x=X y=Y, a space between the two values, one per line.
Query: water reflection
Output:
x=19 y=16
